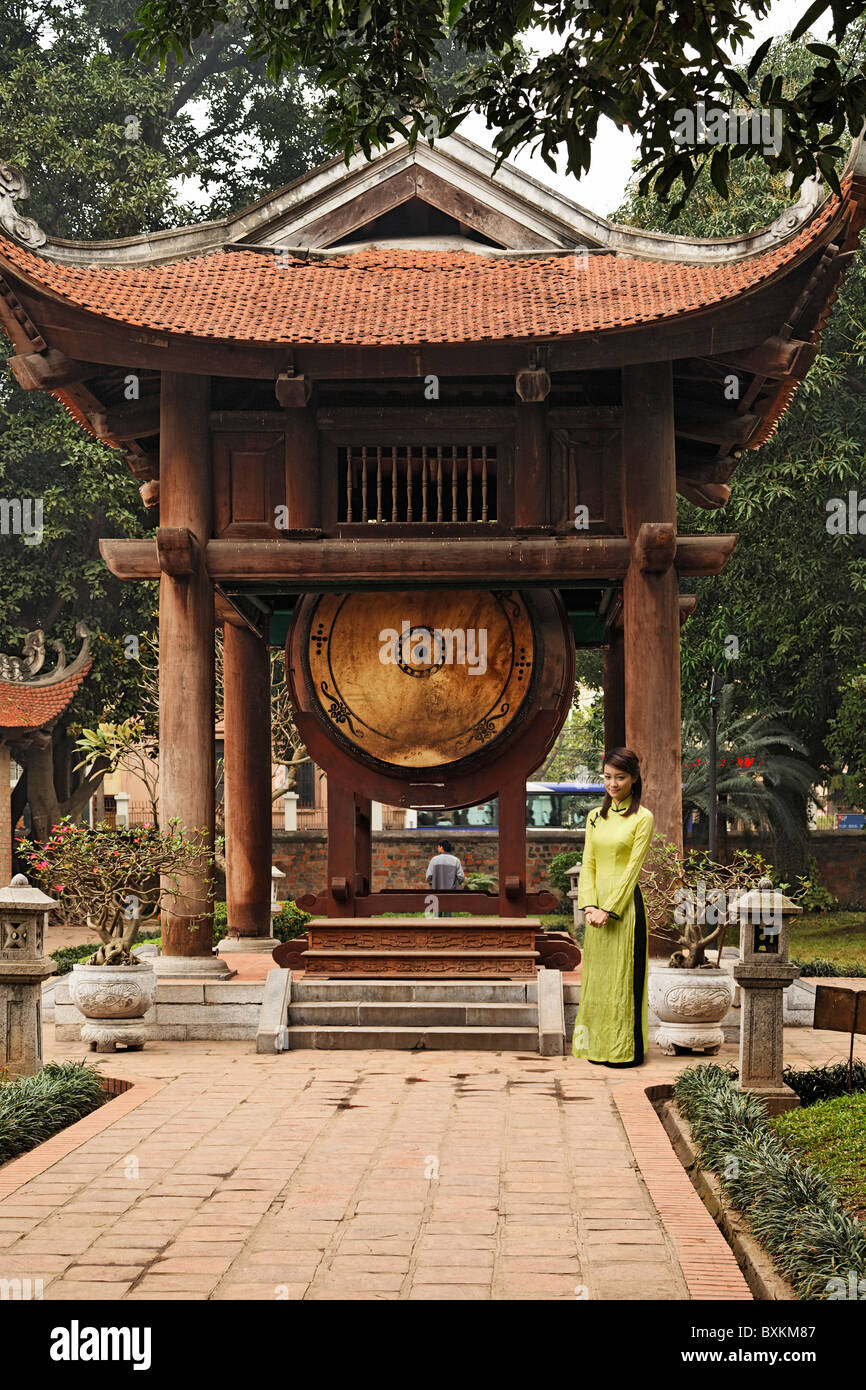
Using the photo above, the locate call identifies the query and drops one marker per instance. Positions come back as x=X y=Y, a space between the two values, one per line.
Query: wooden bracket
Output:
x=532 y=384
x=513 y=886
x=293 y=391
x=45 y=371
x=122 y=422
x=177 y=551
x=655 y=547
x=149 y=492
x=340 y=888
x=688 y=604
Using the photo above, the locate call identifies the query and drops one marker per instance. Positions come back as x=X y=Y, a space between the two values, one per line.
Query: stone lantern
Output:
x=762 y=973
x=574 y=875
x=23 y=967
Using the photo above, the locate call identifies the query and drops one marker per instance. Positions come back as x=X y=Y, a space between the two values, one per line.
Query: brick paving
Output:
x=368 y=1175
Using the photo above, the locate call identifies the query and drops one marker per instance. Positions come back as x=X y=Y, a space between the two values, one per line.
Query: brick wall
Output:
x=400 y=858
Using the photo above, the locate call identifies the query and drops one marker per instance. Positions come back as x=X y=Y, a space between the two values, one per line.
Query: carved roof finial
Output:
x=13 y=186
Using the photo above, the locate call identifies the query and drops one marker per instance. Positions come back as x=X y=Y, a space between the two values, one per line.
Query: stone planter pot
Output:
x=114 y=1000
x=690 y=1006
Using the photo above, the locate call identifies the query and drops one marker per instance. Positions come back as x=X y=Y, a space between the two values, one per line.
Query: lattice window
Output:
x=448 y=483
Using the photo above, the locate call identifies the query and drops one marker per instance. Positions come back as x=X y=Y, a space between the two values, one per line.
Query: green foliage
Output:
x=820 y=1083
x=580 y=744
x=831 y=1136
x=792 y=595
x=289 y=922
x=32 y=1108
x=827 y=968
x=815 y=897
x=760 y=766
x=846 y=741
x=480 y=883
x=639 y=65
x=114 y=879
x=557 y=872
x=792 y=1210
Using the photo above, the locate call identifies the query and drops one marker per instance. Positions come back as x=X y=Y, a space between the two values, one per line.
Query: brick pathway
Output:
x=355 y=1175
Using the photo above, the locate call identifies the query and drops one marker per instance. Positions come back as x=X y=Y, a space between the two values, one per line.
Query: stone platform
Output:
x=404 y=947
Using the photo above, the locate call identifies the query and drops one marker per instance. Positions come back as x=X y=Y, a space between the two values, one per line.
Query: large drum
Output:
x=434 y=697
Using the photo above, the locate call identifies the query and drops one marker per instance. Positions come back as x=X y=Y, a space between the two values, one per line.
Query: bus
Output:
x=549 y=806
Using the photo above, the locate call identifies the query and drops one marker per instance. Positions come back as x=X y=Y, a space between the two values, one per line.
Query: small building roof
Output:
x=37 y=703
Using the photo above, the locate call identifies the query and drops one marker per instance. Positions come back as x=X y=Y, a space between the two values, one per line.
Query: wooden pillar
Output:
x=248 y=801
x=303 y=477
x=186 y=667
x=341 y=849
x=650 y=598
x=613 y=678
x=5 y=815
x=512 y=848
x=531 y=464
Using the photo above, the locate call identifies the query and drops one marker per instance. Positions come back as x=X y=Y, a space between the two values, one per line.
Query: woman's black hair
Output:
x=626 y=761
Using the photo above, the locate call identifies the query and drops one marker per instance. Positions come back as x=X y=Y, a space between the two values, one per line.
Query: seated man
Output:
x=444 y=872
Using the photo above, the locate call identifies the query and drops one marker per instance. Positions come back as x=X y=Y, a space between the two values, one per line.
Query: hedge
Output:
x=32 y=1108
x=792 y=1210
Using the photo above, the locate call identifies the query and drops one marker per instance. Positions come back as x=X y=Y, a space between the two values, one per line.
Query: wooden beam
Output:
x=709 y=496
x=776 y=357
x=697 y=421
x=45 y=371
x=130 y=421
x=550 y=561
x=613 y=679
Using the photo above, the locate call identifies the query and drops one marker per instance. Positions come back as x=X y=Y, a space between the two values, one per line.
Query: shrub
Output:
x=67 y=956
x=557 y=872
x=792 y=1210
x=32 y=1108
x=480 y=883
x=819 y=966
x=814 y=897
x=824 y=1083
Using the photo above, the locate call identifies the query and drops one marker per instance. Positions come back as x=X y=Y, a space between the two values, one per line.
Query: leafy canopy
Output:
x=639 y=62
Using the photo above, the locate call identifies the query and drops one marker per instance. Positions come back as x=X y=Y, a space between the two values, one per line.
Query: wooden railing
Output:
x=449 y=483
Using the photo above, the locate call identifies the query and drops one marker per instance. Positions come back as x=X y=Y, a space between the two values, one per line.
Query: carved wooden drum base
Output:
x=462 y=948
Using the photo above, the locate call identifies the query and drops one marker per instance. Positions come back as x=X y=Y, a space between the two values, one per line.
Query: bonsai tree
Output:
x=112 y=878
x=692 y=899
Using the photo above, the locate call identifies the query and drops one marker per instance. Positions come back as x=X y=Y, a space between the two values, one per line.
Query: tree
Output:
x=846 y=741
x=761 y=771
x=640 y=63
x=105 y=144
x=785 y=617
x=85 y=491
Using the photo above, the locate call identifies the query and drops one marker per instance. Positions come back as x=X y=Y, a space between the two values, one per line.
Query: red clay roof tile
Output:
x=387 y=296
x=25 y=706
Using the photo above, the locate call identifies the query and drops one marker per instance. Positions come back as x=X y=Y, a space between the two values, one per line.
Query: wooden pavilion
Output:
x=406 y=395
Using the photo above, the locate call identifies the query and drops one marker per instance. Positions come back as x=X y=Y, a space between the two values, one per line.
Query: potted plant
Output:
x=692 y=901
x=115 y=880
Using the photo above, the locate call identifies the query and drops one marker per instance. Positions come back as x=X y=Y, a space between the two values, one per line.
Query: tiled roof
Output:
x=379 y=297
x=25 y=706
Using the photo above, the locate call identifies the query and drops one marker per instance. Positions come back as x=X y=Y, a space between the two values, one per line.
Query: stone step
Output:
x=413 y=1014
x=422 y=991
x=406 y=1039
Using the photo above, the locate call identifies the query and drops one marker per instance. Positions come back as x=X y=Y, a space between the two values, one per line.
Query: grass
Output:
x=839 y=937
x=831 y=1137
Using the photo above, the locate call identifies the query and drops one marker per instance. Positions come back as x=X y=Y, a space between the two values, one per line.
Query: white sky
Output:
x=613 y=151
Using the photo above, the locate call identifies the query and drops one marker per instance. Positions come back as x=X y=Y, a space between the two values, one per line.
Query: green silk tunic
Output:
x=614 y=852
